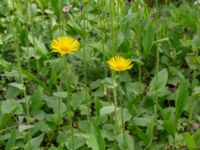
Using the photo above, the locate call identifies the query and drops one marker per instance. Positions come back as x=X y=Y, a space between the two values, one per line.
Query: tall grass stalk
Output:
x=102 y=24
x=112 y=20
x=85 y=62
x=157 y=70
x=139 y=53
x=17 y=53
x=27 y=43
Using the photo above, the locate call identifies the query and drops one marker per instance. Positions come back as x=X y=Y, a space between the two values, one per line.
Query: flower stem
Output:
x=122 y=116
x=71 y=121
x=115 y=103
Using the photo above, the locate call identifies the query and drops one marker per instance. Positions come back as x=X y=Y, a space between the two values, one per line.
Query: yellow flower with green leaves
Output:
x=65 y=45
x=119 y=63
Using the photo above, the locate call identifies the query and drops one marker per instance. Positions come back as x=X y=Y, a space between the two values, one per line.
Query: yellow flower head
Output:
x=119 y=63
x=65 y=45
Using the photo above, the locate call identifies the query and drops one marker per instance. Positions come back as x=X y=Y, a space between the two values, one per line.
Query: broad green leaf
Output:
x=189 y=139
x=197 y=137
x=181 y=98
x=135 y=87
x=150 y=130
x=68 y=78
x=9 y=106
x=139 y=121
x=106 y=110
x=5 y=64
x=126 y=116
x=170 y=127
x=11 y=142
x=128 y=144
x=30 y=76
x=56 y=8
x=34 y=143
x=36 y=100
x=142 y=135
x=148 y=38
x=77 y=98
x=95 y=139
x=125 y=77
x=60 y=94
x=12 y=92
x=23 y=128
x=5 y=119
x=40 y=47
x=177 y=73
x=52 y=80
x=159 y=83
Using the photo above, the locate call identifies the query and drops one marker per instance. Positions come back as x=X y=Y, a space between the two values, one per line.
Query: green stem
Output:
x=58 y=111
x=85 y=64
x=122 y=115
x=112 y=18
x=21 y=77
x=72 y=132
x=115 y=102
x=102 y=23
x=71 y=121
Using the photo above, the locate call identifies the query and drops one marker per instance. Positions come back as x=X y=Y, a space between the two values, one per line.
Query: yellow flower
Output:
x=119 y=63
x=65 y=45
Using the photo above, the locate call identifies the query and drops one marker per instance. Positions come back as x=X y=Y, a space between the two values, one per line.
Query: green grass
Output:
x=76 y=102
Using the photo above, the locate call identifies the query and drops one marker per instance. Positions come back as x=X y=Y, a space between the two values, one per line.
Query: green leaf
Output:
x=30 y=76
x=189 y=139
x=12 y=92
x=9 y=106
x=36 y=100
x=170 y=127
x=159 y=84
x=6 y=65
x=197 y=137
x=181 y=98
x=148 y=38
x=129 y=145
x=52 y=80
x=34 y=143
x=142 y=135
x=56 y=8
x=60 y=94
x=136 y=87
x=17 y=85
x=126 y=116
x=106 y=110
x=11 y=141
x=95 y=139
x=4 y=120
x=40 y=47
x=144 y=122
